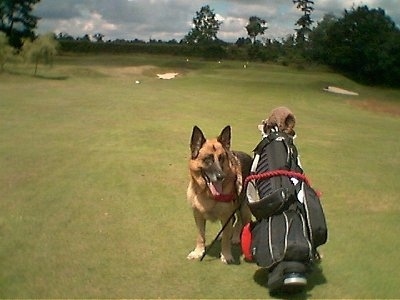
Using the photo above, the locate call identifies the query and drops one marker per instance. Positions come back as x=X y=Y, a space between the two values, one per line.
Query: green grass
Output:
x=94 y=172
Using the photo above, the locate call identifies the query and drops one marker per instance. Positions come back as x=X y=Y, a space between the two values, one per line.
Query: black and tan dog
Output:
x=215 y=188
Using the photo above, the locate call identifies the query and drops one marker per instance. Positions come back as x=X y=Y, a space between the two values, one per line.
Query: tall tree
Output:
x=44 y=48
x=17 y=21
x=256 y=26
x=318 y=38
x=364 y=44
x=98 y=37
x=205 y=27
x=304 y=21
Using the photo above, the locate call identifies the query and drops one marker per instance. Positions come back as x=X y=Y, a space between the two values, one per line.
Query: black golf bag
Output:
x=290 y=223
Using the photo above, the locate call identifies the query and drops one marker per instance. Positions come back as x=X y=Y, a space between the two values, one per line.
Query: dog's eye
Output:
x=221 y=158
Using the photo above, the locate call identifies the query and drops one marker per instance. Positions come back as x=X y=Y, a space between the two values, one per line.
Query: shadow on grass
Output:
x=47 y=77
x=316 y=277
x=51 y=77
x=215 y=252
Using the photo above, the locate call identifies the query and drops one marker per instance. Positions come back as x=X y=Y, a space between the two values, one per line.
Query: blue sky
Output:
x=172 y=19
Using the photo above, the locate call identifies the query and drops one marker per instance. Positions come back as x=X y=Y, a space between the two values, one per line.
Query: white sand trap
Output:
x=336 y=90
x=167 y=75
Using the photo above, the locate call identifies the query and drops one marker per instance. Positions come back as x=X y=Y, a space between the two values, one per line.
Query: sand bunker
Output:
x=336 y=90
x=167 y=75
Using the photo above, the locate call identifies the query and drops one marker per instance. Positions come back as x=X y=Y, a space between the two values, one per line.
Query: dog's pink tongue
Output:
x=215 y=188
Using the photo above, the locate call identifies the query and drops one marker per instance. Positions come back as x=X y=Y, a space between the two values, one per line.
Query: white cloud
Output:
x=90 y=23
x=232 y=28
x=172 y=19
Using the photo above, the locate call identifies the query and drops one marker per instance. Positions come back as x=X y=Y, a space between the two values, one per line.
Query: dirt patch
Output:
x=127 y=71
x=134 y=71
x=389 y=108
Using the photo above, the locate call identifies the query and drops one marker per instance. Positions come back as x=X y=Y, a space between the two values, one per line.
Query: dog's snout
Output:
x=214 y=173
x=219 y=173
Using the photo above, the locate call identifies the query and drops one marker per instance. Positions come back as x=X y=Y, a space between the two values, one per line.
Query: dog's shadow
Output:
x=316 y=277
x=215 y=252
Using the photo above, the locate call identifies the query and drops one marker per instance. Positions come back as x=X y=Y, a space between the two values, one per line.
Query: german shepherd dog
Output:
x=215 y=188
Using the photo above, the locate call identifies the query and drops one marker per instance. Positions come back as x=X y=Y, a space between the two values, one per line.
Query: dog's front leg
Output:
x=226 y=253
x=237 y=230
x=243 y=217
x=201 y=236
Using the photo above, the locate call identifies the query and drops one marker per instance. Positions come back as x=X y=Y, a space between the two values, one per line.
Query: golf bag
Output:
x=290 y=221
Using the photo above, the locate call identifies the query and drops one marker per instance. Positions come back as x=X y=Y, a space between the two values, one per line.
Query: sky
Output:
x=172 y=19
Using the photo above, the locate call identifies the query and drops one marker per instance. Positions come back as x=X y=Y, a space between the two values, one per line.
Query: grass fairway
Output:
x=94 y=172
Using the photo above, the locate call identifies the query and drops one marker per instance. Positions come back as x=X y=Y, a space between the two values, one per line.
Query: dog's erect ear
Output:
x=196 y=142
x=225 y=137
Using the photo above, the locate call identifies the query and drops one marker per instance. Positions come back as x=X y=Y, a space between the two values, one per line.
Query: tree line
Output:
x=362 y=43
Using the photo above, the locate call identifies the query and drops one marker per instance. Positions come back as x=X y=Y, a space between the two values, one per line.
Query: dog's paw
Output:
x=227 y=259
x=196 y=254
